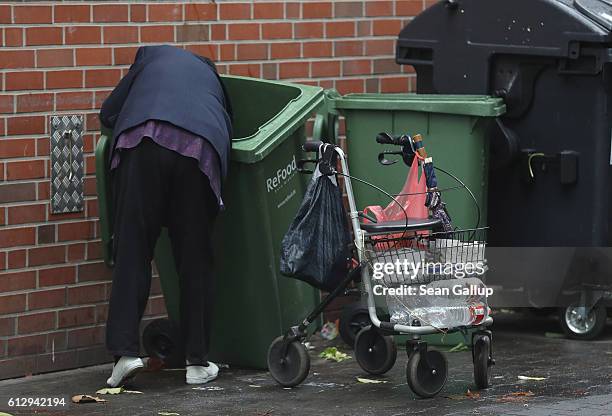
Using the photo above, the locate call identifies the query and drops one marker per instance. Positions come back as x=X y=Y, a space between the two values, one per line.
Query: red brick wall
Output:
x=63 y=57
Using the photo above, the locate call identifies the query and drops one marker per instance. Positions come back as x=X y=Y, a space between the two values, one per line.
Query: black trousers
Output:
x=156 y=187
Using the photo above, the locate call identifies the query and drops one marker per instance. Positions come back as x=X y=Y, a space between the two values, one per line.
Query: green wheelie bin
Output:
x=454 y=132
x=254 y=303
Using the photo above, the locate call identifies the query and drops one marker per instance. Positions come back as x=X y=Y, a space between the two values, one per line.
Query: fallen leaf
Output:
x=333 y=354
x=116 y=390
x=5 y=414
x=532 y=378
x=459 y=347
x=472 y=395
x=516 y=397
x=85 y=398
x=370 y=381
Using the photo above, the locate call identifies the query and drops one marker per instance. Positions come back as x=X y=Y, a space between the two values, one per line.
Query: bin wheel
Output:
x=161 y=339
x=375 y=353
x=426 y=377
x=579 y=323
x=354 y=318
x=289 y=368
x=482 y=361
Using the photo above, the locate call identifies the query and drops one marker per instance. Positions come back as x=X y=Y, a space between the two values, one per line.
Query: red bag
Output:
x=412 y=199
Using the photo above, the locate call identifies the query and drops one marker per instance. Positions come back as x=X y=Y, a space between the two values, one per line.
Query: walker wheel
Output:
x=354 y=318
x=290 y=367
x=426 y=377
x=161 y=339
x=482 y=361
x=375 y=353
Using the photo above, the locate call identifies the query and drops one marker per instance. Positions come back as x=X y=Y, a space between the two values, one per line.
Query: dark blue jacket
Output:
x=170 y=84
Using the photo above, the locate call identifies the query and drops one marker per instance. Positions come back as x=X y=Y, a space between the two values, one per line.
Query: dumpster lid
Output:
x=473 y=105
x=598 y=10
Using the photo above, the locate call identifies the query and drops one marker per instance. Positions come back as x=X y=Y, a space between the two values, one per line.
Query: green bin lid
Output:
x=472 y=105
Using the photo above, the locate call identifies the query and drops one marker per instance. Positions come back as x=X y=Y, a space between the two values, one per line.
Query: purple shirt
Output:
x=179 y=140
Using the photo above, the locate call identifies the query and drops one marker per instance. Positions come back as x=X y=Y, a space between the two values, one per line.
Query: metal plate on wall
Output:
x=66 y=164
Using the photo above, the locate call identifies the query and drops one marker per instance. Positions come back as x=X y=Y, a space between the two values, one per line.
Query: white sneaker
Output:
x=198 y=374
x=125 y=369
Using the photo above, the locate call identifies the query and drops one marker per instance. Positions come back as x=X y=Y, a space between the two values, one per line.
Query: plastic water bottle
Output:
x=457 y=302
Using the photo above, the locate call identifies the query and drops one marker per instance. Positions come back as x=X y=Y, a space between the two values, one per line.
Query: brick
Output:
x=408 y=8
x=75 y=231
x=387 y=27
x=243 y=31
x=16 y=59
x=37 y=322
x=325 y=69
x=44 y=190
x=94 y=272
x=24 y=214
x=85 y=337
x=102 y=77
x=94 y=56
x=347 y=86
x=71 y=13
x=308 y=30
x=48 y=58
x=74 y=100
x=165 y=12
x=348 y=48
x=252 y=51
x=13 y=36
x=316 y=10
x=379 y=8
x=138 y=13
x=292 y=10
x=380 y=47
x=193 y=33
x=48 y=298
x=32 y=344
x=101 y=313
x=7 y=327
x=348 y=9
x=356 y=67
x=86 y=294
x=24 y=80
x=57 y=276
x=218 y=32
x=46 y=234
x=234 y=11
x=246 y=70
x=124 y=56
x=110 y=13
x=16 y=259
x=199 y=12
x=76 y=252
x=31 y=103
x=26 y=125
x=94 y=250
x=208 y=50
x=40 y=256
x=340 y=29
x=386 y=66
x=157 y=34
x=10 y=282
x=265 y=10
x=32 y=14
x=269 y=71
x=76 y=317
x=17 y=192
x=65 y=79
x=317 y=49
x=12 y=304
x=364 y=28
x=396 y=84
x=227 y=52
x=82 y=35
x=6 y=13
x=16 y=237
x=27 y=169
x=277 y=31
x=43 y=147
x=293 y=70
x=43 y=36
x=7 y=104
x=288 y=50
x=120 y=34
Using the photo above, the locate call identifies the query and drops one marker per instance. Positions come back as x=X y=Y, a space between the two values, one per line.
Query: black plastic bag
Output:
x=315 y=249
